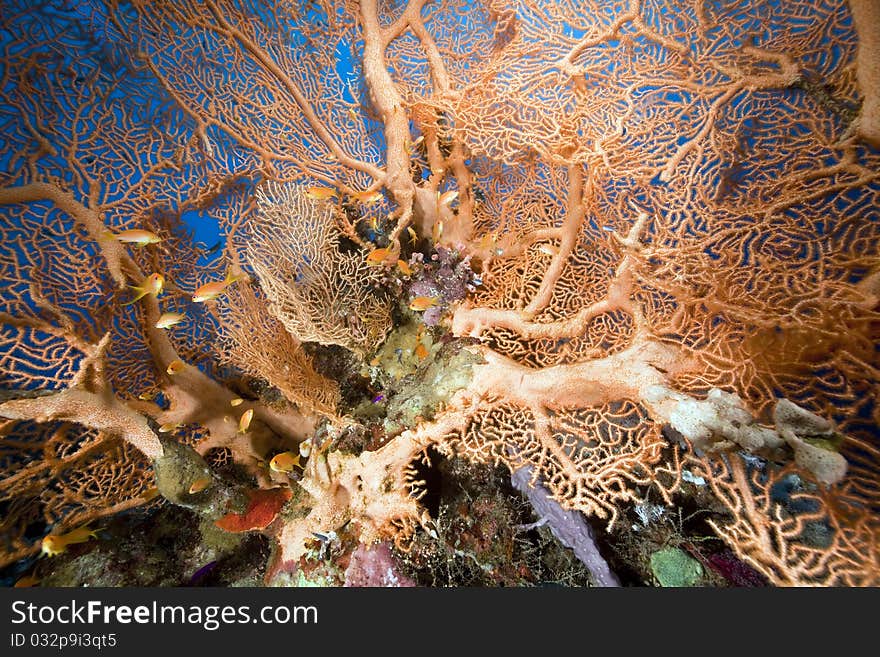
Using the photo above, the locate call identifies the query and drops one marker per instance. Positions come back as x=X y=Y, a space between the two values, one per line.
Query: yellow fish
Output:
x=55 y=544
x=421 y=351
x=212 y=290
x=447 y=197
x=413 y=238
x=410 y=146
x=236 y=402
x=167 y=320
x=150 y=494
x=199 y=485
x=321 y=193
x=423 y=303
x=404 y=268
x=367 y=198
x=487 y=242
x=152 y=284
x=167 y=428
x=284 y=462
x=26 y=582
x=378 y=256
x=148 y=396
x=134 y=236
x=176 y=366
x=245 y=420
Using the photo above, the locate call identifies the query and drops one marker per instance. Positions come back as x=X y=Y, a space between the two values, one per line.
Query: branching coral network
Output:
x=670 y=210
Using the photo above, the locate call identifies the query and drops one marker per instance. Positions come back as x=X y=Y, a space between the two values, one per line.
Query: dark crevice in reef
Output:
x=483 y=533
x=339 y=364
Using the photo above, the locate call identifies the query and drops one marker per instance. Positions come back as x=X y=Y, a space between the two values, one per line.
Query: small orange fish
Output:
x=447 y=197
x=236 y=402
x=245 y=420
x=176 y=366
x=404 y=268
x=413 y=238
x=150 y=395
x=152 y=284
x=167 y=320
x=378 y=256
x=284 y=462
x=352 y=115
x=410 y=146
x=367 y=198
x=199 y=485
x=548 y=249
x=423 y=303
x=169 y=427
x=212 y=290
x=150 y=494
x=134 y=236
x=487 y=242
x=55 y=544
x=26 y=582
x=421 y=351
x=321 y=193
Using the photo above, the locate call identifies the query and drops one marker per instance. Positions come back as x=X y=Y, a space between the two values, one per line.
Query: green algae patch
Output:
x=176 y=470
x=416 y=371
x=217 y=539
x=673 y=567
x=422 y=396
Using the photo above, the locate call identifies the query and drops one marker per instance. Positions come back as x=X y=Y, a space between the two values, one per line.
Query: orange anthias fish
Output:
x=167 y=320
x=447 y=197
x=150 y=494
x=423 y=303
x=548 y=249
x=134 y=236
x=199 y=485
x=378 y=256
x=367 y=198
x=421 y=351
x=284 y=462
x=410 y=146
x=176 y=366
x=321 y=193
x=55 y=544
x=26 y=582
x=152 y=284
x=236 y=402
x=245 y=420
x=212 y=290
